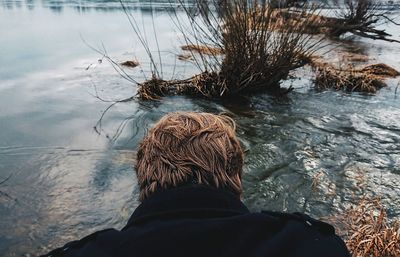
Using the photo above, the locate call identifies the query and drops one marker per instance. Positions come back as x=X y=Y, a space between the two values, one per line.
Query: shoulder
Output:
x=96 y=244
x=302 y=219
x=310 y=237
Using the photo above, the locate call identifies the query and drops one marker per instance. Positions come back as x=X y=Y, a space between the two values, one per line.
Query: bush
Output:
x=257 y=51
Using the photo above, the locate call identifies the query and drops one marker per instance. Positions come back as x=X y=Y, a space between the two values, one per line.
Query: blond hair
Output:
x=188 y=147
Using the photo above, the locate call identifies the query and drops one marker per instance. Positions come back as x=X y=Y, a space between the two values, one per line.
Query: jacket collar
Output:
x=188 y=198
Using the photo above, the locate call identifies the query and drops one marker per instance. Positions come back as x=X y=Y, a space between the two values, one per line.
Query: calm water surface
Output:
x=63 y=180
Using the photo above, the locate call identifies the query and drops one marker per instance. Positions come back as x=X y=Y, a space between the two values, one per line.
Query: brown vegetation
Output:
x=359 y=17
x=241 y=58
x=315 y=23
x=242 y=47
x=204 y=84
x=203 y=49
x=367 y=230
x=380 y=69
x=131 y=64
x=353 y=57
x=368 y=79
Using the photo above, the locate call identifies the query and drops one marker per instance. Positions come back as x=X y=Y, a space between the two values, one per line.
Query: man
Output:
x=189 y=169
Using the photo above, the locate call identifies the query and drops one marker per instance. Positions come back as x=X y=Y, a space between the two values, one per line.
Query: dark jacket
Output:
x=199 y=221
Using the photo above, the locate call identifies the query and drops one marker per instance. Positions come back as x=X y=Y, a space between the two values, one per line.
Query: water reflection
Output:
x=83 y=6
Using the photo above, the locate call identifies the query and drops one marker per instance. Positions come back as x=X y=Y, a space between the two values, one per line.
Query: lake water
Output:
x=317 y=152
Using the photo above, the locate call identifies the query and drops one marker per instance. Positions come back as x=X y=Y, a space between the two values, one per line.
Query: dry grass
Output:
x=368 y=79
x=353 y=57
x=349 y=79
x=380 y=69
x=316 y=181
x=203 y=49
x=205 y=84
x=367 y=231
x=131 y=64
x=313 y=23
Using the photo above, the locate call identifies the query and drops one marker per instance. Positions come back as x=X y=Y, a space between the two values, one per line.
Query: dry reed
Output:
x=203 y=49
x=131 y=64
x=380 y=69
x=353 y=57
x=204 y=84
x=367 y=230
x=368 y=79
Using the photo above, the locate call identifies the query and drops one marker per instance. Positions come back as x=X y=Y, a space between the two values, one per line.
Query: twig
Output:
x=5 y=180
x=113 y=63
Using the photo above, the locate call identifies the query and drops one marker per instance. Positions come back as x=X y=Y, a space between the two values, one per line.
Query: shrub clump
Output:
x=367 y=230
x=238 y=49
x=205 y=84
x=359 y=17
x=368 y=79
x=131 y=64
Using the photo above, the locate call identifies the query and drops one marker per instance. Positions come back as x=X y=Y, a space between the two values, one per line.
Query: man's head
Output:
x=188 y=147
